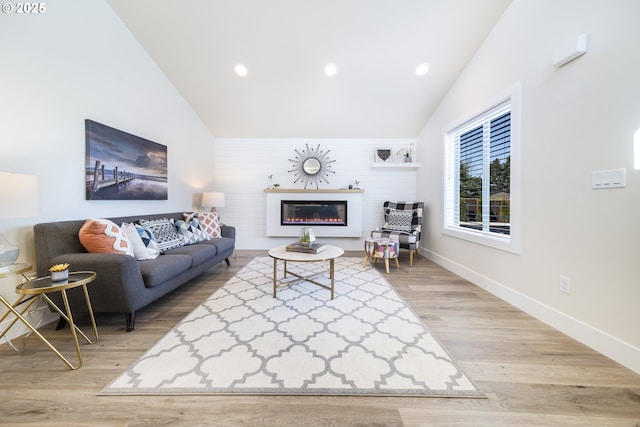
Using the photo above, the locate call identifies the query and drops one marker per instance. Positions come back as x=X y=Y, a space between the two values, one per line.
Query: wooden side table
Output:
x=43 y=286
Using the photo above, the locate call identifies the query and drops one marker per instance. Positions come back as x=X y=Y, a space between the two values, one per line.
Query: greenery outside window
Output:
x=482 y=176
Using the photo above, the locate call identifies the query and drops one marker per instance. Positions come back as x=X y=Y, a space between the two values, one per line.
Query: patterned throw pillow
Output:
x=103 y=236
x=140 y=251
x=148 y=240
x=209 y=222
x=398 y=220
x=190 y=231
x=164 y=232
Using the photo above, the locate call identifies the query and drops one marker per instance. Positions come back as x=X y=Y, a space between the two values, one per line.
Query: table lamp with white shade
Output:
x=213 y=200
x=19 y=198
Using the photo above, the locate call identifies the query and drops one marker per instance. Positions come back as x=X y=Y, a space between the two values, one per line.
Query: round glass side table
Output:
x=45 y=285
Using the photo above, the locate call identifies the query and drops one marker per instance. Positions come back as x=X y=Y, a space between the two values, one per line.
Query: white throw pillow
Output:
x=140 y=251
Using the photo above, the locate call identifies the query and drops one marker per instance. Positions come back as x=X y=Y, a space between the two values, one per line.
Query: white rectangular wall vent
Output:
x=570 y=50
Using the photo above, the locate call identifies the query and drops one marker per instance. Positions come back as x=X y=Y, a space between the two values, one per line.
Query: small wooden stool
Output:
x=381 y=248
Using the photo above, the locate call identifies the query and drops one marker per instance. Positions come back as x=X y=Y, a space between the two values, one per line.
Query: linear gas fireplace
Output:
x=323 y=209
x=313 y=212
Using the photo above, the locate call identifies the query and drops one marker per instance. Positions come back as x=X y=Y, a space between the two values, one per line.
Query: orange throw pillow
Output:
x=104 y=236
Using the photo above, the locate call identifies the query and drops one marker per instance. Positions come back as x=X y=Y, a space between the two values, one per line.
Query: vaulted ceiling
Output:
x=285 y=46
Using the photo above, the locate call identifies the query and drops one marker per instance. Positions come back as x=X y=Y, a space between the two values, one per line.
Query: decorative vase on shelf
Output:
x=306 y=236
x=408 y=159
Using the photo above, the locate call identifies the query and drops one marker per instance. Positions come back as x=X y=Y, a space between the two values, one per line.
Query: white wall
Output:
x=576 y=119
x=78 y=61
x=241 y=167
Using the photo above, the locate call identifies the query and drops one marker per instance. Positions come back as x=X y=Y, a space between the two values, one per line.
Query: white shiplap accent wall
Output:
x=241 y=167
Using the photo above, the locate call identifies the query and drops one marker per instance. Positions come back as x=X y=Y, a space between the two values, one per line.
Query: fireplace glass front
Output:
x=313 y=212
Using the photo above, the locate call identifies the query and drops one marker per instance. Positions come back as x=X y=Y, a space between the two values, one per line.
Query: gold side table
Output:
x=43 y=286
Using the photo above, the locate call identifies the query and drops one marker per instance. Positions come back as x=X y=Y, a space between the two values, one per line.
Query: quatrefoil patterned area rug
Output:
x=241 y=340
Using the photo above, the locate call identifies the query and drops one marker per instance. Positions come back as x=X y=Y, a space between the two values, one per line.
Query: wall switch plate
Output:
x=565 y=284
x=614 y=178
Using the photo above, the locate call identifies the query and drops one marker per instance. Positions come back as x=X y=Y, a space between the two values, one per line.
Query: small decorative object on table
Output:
x=276 y=186
x=306 y=236
x=59 y=272
x=313 y=248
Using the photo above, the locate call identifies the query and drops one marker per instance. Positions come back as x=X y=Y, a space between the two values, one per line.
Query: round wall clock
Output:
x=311 y=166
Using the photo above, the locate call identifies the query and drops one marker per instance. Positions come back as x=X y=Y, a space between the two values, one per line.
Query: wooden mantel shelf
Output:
x=311 y=190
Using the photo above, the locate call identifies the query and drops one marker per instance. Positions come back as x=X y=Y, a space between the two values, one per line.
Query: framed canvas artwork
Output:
x=381 y=155
x=121 y=166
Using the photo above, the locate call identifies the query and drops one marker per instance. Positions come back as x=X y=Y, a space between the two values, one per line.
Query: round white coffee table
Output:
x=330 y=253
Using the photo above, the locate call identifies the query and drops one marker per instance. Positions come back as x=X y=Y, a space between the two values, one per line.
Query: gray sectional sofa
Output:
x=124 y=284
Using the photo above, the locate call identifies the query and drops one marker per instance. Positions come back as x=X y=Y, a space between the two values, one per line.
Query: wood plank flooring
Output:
x=531 y=374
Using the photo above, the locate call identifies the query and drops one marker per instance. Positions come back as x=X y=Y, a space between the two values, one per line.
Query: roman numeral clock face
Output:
x=311 y=166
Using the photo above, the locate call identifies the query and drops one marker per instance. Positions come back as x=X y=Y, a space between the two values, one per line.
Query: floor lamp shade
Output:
x=19 y=198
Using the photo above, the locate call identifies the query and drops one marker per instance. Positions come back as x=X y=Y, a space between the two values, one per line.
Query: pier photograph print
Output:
x=121 y=166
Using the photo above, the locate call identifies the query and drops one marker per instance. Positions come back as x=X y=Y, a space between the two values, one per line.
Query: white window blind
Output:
x=478 y=174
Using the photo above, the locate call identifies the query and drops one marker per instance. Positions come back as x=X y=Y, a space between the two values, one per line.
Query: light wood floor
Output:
x=531 y=374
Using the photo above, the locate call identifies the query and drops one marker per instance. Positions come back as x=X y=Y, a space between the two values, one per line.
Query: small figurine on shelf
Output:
x=406 y=153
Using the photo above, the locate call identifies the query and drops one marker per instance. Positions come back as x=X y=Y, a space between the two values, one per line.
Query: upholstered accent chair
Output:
x=403 y=223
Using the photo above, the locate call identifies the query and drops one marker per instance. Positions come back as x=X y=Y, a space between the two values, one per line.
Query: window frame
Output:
x=510 y=242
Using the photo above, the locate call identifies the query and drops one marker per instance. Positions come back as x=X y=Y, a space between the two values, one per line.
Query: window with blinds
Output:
x=478 y=176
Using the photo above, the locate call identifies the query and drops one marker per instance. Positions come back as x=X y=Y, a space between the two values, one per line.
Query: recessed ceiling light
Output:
x=240 y=70
x=422 y=69
x=330 y=70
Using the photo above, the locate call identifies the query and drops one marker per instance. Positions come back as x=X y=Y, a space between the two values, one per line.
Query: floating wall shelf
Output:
x=396 y=165
x=313 y=190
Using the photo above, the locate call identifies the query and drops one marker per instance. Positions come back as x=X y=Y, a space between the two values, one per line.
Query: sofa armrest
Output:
x=118 y=286
x=228 y=231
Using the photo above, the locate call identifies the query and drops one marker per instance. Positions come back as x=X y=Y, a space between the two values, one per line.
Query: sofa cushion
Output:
x=104 y=236
x=157 y=271
x=199 y=253
x=222 y=244
x=164 y=232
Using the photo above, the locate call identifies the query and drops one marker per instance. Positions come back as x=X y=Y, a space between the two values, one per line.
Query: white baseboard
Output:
x=610 y=346
x=38 y=317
